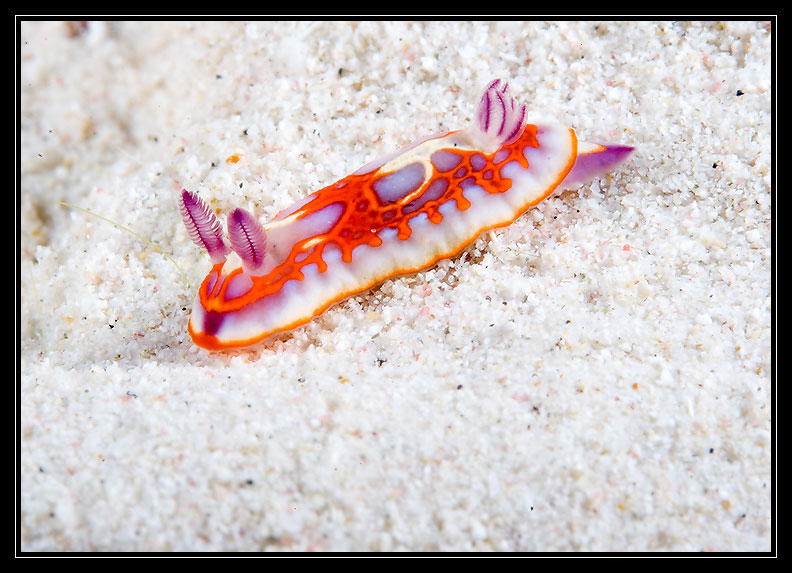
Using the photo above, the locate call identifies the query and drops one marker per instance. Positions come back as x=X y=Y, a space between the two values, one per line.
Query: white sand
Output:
x=595 y=377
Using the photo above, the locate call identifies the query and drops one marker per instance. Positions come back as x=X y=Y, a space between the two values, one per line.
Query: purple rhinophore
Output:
x=203 y=226
x=248 y=239
x=499 y=116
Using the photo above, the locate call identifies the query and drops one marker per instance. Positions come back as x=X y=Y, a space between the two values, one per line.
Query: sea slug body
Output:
x=396 y=215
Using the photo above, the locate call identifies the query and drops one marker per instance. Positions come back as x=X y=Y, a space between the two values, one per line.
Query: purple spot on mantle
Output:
x=432 y=193
x=212 y=322
x=478 y=162
x=500 y=156
x=445 y=160
x=397 y=185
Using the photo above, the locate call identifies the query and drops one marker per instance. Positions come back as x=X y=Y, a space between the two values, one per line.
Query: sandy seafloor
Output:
x=595 y=377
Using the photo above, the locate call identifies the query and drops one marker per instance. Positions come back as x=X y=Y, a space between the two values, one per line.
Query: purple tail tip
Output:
x=595 y=163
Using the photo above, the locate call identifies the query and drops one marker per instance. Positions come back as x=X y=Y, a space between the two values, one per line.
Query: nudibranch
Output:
x=396 y=215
